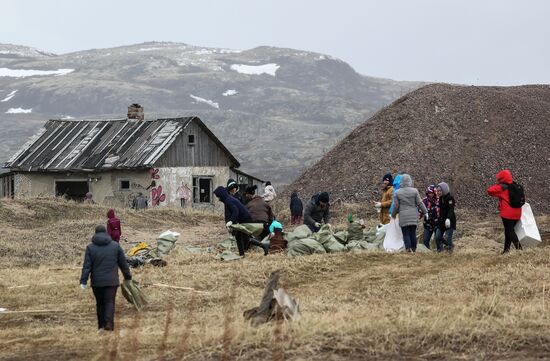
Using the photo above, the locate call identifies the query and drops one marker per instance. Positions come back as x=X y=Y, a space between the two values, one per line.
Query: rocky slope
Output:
x=277 y=109
x=459 y=134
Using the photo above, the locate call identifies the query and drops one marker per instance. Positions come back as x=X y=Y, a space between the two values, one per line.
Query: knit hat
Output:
x=444 y=188
x=430 y=189
x=100 y=229
x=268 y=183
x=323 y=197
x=231 y=183
x=388 y=177
x=251 y=190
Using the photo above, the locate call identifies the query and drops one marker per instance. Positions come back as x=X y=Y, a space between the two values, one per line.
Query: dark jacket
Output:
x=234 y=210
x=432 y=205
x=102 y=260
x=447 y=210
x=260 y=210
x=500 y=191
x=113 y=226
x=314 y=213
x=296 y=206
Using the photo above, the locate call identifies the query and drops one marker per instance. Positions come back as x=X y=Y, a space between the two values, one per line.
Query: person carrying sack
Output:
x=102 y=260
x=509 y=214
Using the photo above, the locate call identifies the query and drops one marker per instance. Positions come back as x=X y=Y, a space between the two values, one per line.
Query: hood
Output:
x=221 y=193
x=323 y=196
x=396 y=182
x=101 y=239
x=111 y=214
x=294 y=195
x=406 y=181
x=444 y=188
x=504 y=176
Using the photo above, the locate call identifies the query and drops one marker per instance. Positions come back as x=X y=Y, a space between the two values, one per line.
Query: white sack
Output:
x=393 y=241
x=526 y=228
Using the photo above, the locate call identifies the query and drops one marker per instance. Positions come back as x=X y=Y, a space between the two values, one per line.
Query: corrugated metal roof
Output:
x=65 y=145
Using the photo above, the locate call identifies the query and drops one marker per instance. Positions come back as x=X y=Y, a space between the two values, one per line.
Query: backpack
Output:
x=517 y=195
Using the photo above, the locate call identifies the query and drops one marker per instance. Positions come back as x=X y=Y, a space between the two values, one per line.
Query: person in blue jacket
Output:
x=236 y=212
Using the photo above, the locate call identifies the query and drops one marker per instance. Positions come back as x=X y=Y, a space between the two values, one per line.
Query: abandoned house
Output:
x=173 y=162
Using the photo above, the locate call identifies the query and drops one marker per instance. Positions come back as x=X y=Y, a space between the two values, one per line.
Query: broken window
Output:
x=202 y=189
x=124 y=184
x=191 y=139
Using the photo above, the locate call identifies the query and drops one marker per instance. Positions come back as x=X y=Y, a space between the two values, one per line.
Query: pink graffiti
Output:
x=157 y=197
x=154 y=173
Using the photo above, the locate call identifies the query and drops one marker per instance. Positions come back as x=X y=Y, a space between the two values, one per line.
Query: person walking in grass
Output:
x=446 y=224
x=510 y=215
x=113 y=226
x=408 y=201
x=385 y=203
x=102 y=260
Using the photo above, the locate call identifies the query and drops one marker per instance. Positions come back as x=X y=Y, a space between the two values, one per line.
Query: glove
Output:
x=447 y=223
x=229 y=224
x=83 y=286
x=317 y=224
x=377 y=205
x=427 y=217
x=350 y=218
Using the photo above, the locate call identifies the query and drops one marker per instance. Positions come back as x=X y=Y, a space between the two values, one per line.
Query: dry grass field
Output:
x=472 y=305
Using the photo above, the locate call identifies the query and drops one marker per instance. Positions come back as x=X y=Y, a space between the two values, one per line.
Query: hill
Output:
x=459 y=134
x=268 y=105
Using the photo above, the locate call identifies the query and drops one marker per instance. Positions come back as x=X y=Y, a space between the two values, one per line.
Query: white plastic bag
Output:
x=393 y=242
x=381 y=230
x=526 y=228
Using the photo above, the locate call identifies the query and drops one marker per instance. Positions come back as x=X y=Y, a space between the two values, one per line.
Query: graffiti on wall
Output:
x=157 y=196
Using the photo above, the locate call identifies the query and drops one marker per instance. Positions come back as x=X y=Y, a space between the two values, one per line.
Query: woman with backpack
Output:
x=510 y=215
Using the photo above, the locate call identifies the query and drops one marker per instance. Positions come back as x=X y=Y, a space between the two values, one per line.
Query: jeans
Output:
x=510 y=235
x=439 y=240
x=409 y=237
x=428 y=233
x=105 y=306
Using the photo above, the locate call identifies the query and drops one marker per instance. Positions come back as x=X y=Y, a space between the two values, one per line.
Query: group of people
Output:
x=437 y=209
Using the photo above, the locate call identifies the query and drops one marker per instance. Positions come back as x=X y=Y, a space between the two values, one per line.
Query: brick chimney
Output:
x=135 y=111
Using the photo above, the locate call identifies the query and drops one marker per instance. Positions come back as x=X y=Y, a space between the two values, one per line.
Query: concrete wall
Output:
x=105 y=186
x=177 y=183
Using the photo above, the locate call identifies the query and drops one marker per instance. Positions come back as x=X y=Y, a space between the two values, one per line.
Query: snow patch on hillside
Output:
x=205 y=101
x=9 y=96
x=23 y=73
x=230 y=92
x=18 y=111
x=269 y=69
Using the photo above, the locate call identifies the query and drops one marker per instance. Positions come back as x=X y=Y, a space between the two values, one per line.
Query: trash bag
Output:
x=133 y=294
x=381 y=230
x=228 y=256
x=526 y=229
x=305 y=246
x=250 y=229
x=166 y=242
x=229 y=243
x=355 y=232
x=341 y=236
x=141 y=248
x=327 y=239
x=393 y=240
x=422 y=249
x=299 y=232
x=355 y=246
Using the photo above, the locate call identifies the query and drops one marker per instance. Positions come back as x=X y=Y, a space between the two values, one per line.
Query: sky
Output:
x=478 y=42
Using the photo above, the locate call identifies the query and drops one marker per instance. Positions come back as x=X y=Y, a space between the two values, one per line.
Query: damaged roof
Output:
x=87 y=145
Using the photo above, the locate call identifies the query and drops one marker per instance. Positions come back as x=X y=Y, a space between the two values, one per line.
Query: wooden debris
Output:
x=173 y=287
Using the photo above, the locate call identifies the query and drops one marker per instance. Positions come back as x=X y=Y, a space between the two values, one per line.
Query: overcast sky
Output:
x=482 y=42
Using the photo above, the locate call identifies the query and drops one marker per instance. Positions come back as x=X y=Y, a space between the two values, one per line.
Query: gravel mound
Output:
x=458 y=134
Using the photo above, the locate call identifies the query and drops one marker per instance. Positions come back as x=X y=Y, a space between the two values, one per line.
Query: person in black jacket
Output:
x=102 y=260
x=446 y=224
x=296 y=209
x=233 y=189
x=235 y=212
x=317 y=211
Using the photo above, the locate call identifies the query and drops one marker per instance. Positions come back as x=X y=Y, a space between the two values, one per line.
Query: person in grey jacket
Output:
x=317 y=211
x=407 y=203
x=102 y=260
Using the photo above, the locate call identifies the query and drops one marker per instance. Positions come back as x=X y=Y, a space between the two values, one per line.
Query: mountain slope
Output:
x=458 y=134
x=277 y=109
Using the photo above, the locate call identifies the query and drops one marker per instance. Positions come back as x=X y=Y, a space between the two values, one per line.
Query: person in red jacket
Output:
x=113 y=226
x=510 y=215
